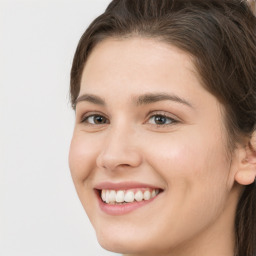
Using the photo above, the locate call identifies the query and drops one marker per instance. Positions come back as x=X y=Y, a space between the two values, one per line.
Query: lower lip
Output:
x=121 y=209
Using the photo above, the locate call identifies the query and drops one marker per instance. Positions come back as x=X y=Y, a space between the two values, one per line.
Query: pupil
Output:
x=160 y=119
x=99 y=119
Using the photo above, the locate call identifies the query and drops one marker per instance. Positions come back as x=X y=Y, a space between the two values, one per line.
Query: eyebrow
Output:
x=145 y=99
x=155 y=97
x=90 y=98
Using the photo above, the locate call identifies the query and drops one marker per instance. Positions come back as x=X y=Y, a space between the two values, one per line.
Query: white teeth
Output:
x=107 y=196
x=147 y=195
x=138 y=196
x=129 y=197
x=103 y=195
x=120 y=196
x=112 y=196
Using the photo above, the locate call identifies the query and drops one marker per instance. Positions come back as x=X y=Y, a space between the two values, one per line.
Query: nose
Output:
x=119 y=149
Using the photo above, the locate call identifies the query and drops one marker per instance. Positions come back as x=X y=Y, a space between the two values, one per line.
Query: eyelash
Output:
x=171 y=120
x=93 y=115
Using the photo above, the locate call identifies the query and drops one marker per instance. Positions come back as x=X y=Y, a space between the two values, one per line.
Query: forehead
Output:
x=148 y=48
x=132 y=58
x=136 y=61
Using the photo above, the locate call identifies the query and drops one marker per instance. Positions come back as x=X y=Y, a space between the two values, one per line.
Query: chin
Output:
x=130 y=242
x=124 y=244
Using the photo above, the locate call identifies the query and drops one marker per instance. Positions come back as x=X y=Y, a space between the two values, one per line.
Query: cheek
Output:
x=82 y=158
x=193 y=164
x=192 y=152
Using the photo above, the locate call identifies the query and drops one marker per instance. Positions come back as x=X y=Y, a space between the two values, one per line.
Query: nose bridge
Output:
x=119 y=147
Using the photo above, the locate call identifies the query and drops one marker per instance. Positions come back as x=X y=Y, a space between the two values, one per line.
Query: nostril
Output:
x=115 y=161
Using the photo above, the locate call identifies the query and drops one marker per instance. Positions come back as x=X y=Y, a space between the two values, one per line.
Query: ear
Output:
x=246 y=173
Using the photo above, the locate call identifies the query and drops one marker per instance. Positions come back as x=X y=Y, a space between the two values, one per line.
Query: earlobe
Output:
x=246 y=174
x=245 y=177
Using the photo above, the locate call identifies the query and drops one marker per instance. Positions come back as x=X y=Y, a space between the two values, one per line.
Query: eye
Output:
x=160 y=119
x=95 y=119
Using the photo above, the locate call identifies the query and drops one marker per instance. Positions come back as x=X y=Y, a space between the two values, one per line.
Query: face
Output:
x=150 y=140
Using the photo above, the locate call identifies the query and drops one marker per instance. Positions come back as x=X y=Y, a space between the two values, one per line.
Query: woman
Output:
x=163 y=152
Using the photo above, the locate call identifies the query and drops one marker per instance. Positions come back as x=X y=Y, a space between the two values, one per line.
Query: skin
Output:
x=187 y=158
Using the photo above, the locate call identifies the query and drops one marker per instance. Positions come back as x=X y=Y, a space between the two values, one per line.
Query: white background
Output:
x=40 y=214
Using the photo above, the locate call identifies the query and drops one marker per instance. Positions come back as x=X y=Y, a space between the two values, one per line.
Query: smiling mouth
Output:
x=117 y=197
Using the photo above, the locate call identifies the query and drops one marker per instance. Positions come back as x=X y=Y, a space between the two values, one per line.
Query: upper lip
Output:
x=123 y=185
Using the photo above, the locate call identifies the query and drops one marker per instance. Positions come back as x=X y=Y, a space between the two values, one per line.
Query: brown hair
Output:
x=220 y=35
